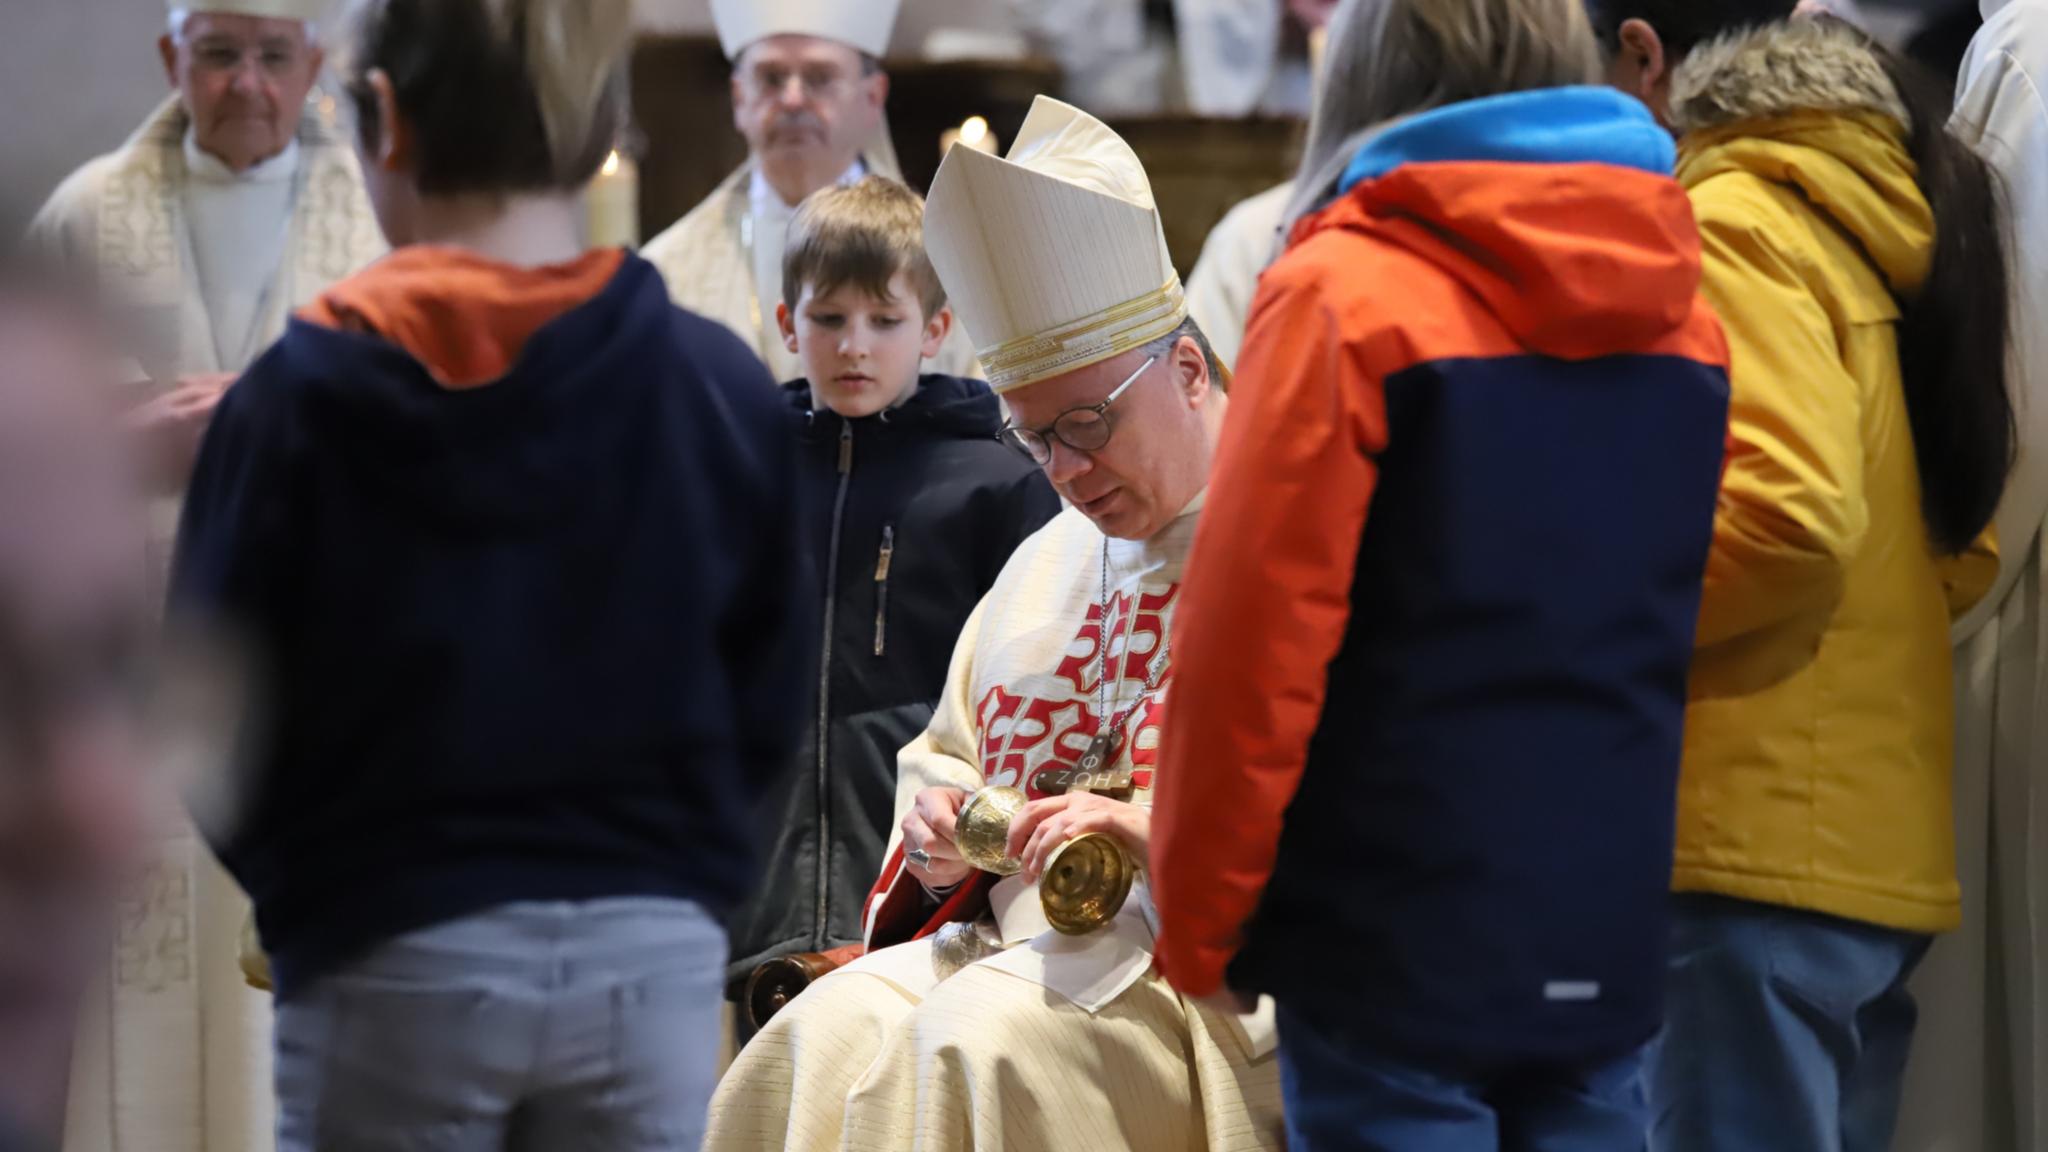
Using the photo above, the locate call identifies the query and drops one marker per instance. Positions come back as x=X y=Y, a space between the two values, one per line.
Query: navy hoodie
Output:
x=543 y=639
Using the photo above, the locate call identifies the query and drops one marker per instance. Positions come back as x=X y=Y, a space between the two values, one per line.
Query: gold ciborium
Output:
x=1085 y=883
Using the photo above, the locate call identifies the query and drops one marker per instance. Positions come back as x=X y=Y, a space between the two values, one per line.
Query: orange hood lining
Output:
x=465 y=317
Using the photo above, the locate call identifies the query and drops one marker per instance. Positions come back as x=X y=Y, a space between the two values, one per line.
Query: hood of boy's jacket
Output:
x=943 y=407
x=480 y=393
x=1556 y=209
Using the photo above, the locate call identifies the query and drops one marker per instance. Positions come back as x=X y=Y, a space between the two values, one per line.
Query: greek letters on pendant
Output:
x=1101 y=751
x=1091 y=774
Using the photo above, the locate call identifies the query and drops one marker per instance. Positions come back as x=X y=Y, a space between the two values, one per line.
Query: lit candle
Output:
x=972 y=132
x=612 y=204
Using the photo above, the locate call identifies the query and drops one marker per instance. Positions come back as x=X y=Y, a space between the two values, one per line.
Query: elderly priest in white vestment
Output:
x=233 y=204
x=1058 y=268
x=807 y=93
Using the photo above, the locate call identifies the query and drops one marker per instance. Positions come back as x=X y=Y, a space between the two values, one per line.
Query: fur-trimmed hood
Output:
x=1800 y=65
x=1807 y=105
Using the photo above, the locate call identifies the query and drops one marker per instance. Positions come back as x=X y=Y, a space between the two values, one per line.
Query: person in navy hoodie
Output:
x=514 y=546
x=914 y=506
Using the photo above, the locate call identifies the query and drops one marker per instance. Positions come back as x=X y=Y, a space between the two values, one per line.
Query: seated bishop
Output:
x=971 y=1022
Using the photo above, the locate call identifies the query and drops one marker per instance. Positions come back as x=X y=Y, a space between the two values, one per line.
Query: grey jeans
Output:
x=553 y=1027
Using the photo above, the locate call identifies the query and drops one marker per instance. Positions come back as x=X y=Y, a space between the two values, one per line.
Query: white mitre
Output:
x=1053 y=257
x=308 y=10
x=863 y=24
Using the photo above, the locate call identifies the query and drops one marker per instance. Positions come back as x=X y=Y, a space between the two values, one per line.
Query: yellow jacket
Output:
x=1818 y=743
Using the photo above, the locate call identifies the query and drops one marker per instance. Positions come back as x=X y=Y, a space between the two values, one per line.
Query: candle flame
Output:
x=611 y=163
x=973 y=131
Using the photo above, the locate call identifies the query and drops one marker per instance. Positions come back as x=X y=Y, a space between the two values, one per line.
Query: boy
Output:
x=914 y=506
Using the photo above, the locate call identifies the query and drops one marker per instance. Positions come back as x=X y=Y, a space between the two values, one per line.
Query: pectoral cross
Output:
x=1093 y=773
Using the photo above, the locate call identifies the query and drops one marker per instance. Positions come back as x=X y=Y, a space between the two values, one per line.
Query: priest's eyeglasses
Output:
x=1082 y=429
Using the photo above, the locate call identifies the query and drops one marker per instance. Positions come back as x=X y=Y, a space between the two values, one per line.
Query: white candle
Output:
x=612 y=204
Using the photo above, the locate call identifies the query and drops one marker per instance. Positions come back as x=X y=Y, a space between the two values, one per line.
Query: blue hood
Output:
x=1552 y=126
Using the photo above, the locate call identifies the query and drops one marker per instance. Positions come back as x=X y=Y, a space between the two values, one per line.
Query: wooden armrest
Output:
x=775 y=983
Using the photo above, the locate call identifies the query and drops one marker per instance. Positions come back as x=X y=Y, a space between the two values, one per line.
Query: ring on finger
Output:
x=919 y=857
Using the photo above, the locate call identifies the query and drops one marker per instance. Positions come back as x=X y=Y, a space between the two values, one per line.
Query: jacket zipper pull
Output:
x=845 y=447
x=882 y=562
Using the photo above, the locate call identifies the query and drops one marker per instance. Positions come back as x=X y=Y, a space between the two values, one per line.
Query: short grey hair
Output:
x=1189 y=330
x=182 y=16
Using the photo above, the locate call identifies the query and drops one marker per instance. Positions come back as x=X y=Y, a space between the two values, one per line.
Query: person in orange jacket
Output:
x=1419 y=771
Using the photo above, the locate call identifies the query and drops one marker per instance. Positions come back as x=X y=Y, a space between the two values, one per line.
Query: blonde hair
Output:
x=502 y=95
x=575 y=57
x=1390 y=59
x=862 y=234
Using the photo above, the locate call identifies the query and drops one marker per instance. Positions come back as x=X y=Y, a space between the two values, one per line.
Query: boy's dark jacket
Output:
x=913 y=513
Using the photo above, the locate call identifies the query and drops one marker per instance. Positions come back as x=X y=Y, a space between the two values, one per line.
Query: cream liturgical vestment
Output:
x=199 y=269
x=882 y=1055
x=1226 y=276
x=126 y=220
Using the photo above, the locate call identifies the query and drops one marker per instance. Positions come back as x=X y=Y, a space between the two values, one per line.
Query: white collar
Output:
x=207 y=168
x=765 y=199
x=1991 y=8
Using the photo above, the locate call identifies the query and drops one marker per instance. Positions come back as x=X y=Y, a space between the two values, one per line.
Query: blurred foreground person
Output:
x=508 y=536
x=73 y=621
x=238 y=200
x=1438 y=620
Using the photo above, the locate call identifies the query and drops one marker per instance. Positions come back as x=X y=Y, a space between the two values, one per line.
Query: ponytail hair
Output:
x=1955 y=333
x=501 y=95
x=575 y=53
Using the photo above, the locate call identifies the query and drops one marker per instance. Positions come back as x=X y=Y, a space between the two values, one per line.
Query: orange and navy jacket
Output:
x=1418 y=776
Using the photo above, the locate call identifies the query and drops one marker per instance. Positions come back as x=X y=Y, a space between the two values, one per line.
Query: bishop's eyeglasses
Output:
x=1082 y=429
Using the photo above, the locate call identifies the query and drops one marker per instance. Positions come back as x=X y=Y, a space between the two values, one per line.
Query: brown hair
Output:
x=862 y=234
x=502 y=95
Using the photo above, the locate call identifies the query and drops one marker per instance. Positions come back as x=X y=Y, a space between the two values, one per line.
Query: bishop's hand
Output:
x=1044 y=825
x=930 y=828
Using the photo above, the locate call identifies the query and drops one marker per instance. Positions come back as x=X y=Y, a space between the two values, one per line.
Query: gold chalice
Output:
x=1085 y=883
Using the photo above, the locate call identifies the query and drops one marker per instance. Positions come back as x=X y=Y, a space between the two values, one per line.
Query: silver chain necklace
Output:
x=1102 y=750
